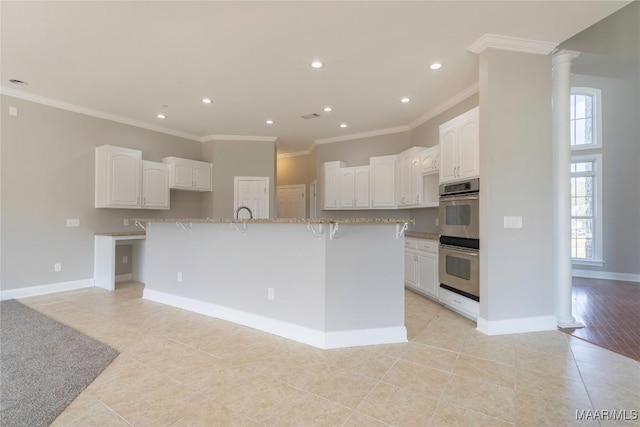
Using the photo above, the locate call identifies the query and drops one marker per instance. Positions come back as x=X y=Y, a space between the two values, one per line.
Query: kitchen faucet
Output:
x=244 y=207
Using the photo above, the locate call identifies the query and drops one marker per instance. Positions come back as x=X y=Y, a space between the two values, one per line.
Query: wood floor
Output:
x=611 y=311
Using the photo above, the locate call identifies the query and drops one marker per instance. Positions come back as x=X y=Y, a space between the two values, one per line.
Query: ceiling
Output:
x=134 y=60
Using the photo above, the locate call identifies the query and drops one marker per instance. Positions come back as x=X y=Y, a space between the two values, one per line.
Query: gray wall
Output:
x=48 y=176
x=237 y=158
x=610 y=60
x=516 y=180
x=121 y=266
x=621 y=172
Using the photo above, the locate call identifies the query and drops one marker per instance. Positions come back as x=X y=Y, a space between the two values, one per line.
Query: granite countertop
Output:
x=122 y=233
x=422 y=235
x=283 y=220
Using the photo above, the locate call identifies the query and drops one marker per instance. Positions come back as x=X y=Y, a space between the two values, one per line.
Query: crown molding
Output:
x=238 y=138
x=294 y=154
x=360 y=135
x=93 y=113
x=496 y=41
x=471 y=90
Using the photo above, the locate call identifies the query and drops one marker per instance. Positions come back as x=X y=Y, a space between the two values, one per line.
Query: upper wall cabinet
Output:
x=429 y=160
x=382 y=178
x=117 y=182
x=331 y=185
x=155 y=185
x=354 y=187
x=191 y=175
x=460 y=147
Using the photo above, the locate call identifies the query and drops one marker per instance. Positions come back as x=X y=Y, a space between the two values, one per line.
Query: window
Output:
x=586 y=209
x=586 y=118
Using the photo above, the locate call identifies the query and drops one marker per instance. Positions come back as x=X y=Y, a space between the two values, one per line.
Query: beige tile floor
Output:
x=178 y=368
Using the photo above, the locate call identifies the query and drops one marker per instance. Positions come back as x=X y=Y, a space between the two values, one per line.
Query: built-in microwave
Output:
x=459 y=209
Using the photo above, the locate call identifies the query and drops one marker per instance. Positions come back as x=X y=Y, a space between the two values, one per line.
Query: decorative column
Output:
x=561 y=86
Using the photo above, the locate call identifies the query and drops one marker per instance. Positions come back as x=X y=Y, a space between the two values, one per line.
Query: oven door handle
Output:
x=446 y=198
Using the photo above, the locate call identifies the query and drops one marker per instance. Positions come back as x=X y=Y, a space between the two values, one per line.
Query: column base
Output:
x=570 y=323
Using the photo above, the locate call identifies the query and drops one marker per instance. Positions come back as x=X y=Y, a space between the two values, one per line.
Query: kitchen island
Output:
x=324 y=282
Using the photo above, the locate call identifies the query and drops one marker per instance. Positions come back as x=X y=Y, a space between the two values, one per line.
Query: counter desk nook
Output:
x=324 y=282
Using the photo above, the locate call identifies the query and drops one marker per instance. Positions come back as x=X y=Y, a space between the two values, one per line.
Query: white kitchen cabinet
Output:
x=421 y=266
x=429 y=160
x=191 y=175
x=354 y=187
x=118 y=177
x=463 y=305
x=382 y=179
x=155 y=185
x=331 y=184
x=407 y=184
x=460 y=147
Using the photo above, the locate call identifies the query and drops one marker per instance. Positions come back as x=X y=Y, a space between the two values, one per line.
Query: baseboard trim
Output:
x=313 y=337
x=124 y=277
x=606 y=275
x=518 y=325
x=52 y=288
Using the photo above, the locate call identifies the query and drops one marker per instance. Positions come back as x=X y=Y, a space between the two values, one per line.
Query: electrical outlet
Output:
x=126 y=222
x=13 y=111
x=437 y=222
x=73 y=222
x=271 y=294
x=125 y=259
x=512 y=222
x=179 y=276
x=57 y=267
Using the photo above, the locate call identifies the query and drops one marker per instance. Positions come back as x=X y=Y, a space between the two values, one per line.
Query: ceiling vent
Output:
x=310 y=116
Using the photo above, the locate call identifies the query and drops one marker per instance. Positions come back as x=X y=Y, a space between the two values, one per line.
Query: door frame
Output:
x=236 y=181
x=312 y=199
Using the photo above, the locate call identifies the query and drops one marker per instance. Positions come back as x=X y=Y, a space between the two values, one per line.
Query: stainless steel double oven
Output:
x=460 y=238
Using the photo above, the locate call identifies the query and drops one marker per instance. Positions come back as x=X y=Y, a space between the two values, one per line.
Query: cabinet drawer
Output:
x=459 y=303
x=428 y=245
x=410 y=243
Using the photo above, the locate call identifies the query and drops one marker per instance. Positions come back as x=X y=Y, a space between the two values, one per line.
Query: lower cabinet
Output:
x=421 y=266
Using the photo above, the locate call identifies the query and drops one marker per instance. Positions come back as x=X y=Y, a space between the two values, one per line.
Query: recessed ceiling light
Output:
x=405 y=100
x=269 y=122
x=161 y=116
x=343 y=125
x=327 y=109
x=435 y=66
x=18 y=82
x=206 y=101
x=317 y=64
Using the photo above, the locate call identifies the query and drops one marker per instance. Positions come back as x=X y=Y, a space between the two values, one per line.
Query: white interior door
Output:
x=252 y=192
x=312 y=200
x=291 y=201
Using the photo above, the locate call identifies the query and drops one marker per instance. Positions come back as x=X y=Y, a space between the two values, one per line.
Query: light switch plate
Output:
x=512 y=222
x=73 y=222
x=13 y=111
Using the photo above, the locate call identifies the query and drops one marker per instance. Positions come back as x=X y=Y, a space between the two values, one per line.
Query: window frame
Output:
x=596 y=158
x=596 y=95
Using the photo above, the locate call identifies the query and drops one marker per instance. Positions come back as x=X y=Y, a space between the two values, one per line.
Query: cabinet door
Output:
x=361 y=187
x=383 y=181
x=155 y=185
x=468 y=143
x=124 y=178
x=182 y=177
x=427 y=273
x=330 y=185
x=202 y=176
x=405 y=181
x=410 y=268
x=347 y=188
x=448 y=153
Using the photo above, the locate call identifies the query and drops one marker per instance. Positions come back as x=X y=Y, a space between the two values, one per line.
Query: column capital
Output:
x=563 y=56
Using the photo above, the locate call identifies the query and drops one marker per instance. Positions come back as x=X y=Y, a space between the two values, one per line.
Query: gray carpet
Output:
x=44 y=365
